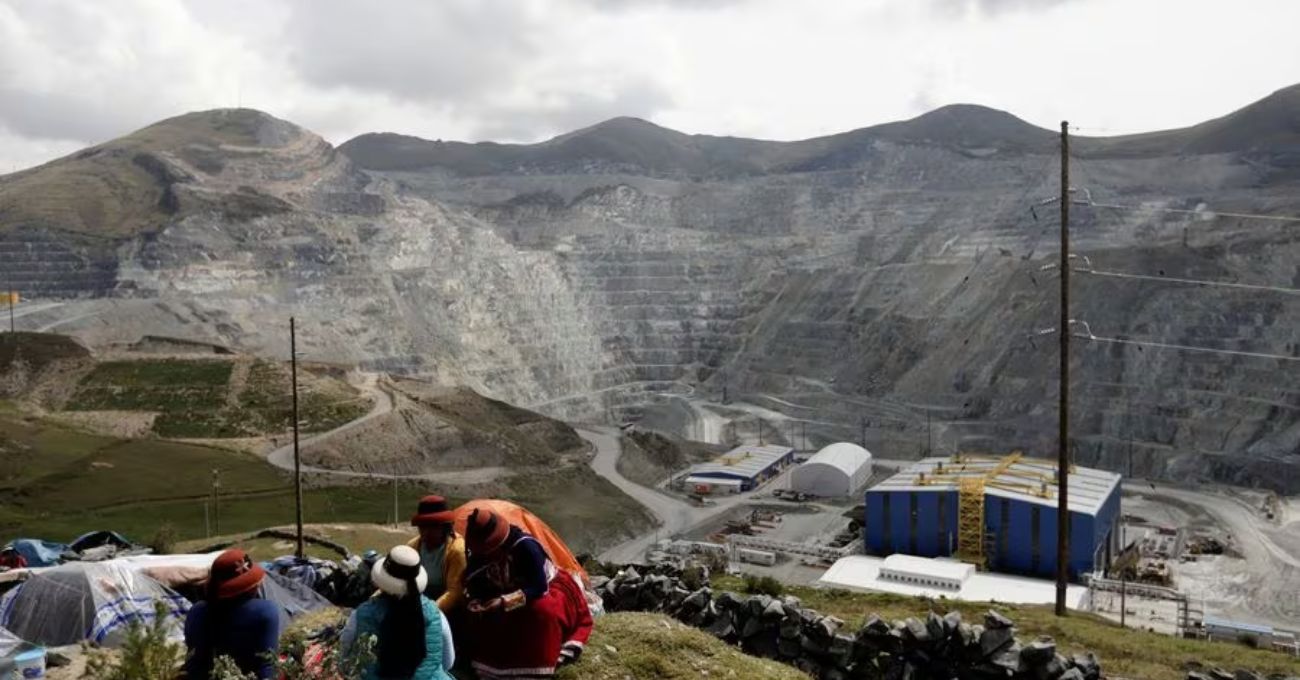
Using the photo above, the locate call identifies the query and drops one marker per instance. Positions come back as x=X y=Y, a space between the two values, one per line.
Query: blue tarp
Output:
x=39 y=553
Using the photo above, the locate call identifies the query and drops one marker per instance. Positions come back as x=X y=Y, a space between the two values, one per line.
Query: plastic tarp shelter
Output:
x=38 y=553
x=517 y=515
x=90 y=601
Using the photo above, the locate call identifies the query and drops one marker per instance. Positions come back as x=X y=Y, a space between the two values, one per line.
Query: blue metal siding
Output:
x=1088 y=534
x=873 y=534
x=927 y=524
x=1083 y=542
x=900 y=518
x=1018 y=545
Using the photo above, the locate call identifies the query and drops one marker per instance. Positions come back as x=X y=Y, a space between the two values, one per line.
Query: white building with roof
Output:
x=743 y=468
x=836 y=471
x=938 y=577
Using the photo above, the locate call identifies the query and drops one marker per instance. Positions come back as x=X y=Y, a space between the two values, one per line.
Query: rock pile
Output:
x=782 y=629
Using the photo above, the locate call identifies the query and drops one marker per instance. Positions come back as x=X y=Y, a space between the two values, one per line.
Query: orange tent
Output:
x=522 y=518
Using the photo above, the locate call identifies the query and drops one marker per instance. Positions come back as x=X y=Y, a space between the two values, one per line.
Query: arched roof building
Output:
x=837 y=470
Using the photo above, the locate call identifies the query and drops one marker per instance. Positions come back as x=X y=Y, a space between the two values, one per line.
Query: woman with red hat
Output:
x=442 y=553
x=234 y=621
x=412 y=638
x=525 y=616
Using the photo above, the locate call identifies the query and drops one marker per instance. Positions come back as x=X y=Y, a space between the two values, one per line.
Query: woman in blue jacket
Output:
x=412 y=638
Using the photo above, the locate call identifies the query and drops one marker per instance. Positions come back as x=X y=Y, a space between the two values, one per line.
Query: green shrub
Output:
x=763 y=585
x=146 y=654
x=164 y=540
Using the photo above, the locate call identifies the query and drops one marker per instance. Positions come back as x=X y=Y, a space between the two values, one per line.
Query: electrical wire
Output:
x=1192 y=282
x=1202 y=213
x=1185 y=348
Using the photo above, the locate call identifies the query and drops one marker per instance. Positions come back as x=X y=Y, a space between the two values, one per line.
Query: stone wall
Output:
x=822 y=646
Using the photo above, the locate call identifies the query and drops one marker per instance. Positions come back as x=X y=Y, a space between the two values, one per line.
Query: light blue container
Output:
x=29 y=665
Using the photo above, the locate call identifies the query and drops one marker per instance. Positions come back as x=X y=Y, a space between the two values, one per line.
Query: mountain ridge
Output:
x=637 y=144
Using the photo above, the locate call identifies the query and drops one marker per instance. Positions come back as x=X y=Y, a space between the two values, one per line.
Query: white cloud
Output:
x=73 y=73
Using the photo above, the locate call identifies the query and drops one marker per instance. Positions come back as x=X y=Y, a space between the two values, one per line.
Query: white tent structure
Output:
x=836 y=471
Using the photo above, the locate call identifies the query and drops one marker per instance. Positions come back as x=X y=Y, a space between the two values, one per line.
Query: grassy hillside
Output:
x=126 y=186
x=59 y=482
x=217 y=397
x=653 y=646
x=1125 y=653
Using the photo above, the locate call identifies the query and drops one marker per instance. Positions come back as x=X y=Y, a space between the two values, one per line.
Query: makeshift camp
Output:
x=98 y=601
x=92 y=601
x=522 y=518
x=38 y=553
x=294 y=598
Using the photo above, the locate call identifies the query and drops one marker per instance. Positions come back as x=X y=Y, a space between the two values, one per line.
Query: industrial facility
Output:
x=743 y=468
x=836 y=471
x=995 y=512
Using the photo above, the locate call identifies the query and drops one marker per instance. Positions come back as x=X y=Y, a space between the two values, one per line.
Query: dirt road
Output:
x=675 y=516
x=1261 y=587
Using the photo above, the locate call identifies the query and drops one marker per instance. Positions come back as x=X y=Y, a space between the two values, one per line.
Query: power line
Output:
x=1193 y=282
x=1184 y=348
x=1201 y=213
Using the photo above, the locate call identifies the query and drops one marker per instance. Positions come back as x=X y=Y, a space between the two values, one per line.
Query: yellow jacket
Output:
x=453 y=572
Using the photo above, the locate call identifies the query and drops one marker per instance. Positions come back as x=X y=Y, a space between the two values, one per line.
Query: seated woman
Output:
x=525 y=617
x=442 y=553
x=233 y=622
x=412 y=638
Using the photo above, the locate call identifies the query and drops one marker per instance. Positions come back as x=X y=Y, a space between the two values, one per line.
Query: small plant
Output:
x=164 y=539
x=763 y=585
x=295 y=662
x=145 y=655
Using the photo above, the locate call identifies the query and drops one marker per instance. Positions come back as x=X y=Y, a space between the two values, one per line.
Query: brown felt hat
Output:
x=486 y=531
x=433 y=510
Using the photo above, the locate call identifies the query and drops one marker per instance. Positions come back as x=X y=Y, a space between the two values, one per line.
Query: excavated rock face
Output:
x=852 y=285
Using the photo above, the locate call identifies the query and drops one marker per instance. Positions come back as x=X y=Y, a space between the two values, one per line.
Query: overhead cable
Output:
x=1193 y=282
x=1185 y=348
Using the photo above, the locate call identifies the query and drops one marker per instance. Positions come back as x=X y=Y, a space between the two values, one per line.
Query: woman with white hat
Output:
x=412 y=638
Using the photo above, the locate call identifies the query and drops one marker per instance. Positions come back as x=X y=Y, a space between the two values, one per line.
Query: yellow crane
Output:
x=971 y=475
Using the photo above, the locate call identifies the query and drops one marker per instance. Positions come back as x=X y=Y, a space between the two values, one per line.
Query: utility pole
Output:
x=929 y=447
x=1128 y=430
x=1063 y=436
x=297 y=461
x=1123 y=600
x=216 y=501
x=760 y=431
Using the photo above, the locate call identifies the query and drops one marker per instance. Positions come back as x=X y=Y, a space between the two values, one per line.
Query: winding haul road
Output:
x=674 y=515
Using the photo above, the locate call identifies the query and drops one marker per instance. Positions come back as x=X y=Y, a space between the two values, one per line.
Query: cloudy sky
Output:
x=78 y=72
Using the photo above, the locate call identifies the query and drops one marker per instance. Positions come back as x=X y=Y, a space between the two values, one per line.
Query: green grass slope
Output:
x=195 y=398
x=124 y=187
x=629 y=645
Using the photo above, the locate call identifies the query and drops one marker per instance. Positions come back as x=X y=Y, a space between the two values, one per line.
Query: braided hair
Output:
x=401 y=634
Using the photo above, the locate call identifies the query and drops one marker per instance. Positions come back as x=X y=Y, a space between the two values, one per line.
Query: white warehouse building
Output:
x=836 y=471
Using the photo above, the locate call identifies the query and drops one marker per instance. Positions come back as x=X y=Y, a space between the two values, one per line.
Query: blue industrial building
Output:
x=999 y=513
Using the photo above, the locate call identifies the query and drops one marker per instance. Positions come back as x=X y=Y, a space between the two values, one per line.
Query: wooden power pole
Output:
x=297 y=461
x=1063 y=436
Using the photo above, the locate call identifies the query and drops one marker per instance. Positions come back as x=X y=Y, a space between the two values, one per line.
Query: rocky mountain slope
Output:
x=884 y=281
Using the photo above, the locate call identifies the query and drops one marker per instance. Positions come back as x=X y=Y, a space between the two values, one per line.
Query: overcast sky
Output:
x=78 y=72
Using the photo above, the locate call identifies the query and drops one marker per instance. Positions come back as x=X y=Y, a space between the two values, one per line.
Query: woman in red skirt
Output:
x=525 y=616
